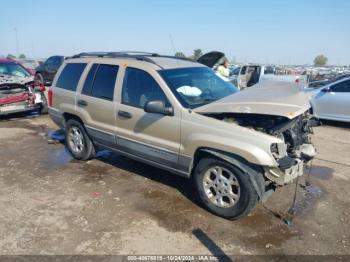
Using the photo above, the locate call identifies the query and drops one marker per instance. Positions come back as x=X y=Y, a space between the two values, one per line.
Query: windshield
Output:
x=13 y=69
x=196 y=86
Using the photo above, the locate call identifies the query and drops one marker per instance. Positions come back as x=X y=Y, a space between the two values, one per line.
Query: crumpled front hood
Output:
x=8 y=79
x=267 y=97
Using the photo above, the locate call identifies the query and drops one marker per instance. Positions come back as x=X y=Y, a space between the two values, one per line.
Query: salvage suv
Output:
x=180 y=116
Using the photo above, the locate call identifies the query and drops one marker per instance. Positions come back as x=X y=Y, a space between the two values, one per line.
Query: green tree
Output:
x=22 y=56
x=180 y=54
x=320 y=60
x=197 y=53
x=10 y=56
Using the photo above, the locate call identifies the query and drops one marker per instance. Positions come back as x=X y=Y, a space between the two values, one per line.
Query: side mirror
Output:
x=326 y=90
x=158 y=107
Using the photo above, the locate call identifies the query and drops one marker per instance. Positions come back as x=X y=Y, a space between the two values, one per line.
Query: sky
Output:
x=269 y=31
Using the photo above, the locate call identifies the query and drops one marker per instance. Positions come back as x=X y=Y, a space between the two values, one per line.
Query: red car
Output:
x=19 y=92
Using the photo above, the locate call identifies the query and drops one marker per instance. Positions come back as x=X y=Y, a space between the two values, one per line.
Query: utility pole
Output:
x=172 y=43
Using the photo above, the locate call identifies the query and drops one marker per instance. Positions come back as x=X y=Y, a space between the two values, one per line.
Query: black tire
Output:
x=39 y=77
x=88 y=150
x=44 y=107
x=248 y=198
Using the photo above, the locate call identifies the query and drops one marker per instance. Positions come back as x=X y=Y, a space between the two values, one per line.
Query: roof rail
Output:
x=143 y=56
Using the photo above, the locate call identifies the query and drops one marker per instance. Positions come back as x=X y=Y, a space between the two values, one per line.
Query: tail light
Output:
x=50 y=97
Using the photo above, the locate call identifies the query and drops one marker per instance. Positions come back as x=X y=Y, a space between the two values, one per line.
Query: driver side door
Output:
x=154 y=137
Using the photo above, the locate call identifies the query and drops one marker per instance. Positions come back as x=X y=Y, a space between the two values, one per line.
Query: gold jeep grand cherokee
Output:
x=180 y=116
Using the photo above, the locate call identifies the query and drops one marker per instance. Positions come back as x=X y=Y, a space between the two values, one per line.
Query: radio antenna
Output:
x=172 y=43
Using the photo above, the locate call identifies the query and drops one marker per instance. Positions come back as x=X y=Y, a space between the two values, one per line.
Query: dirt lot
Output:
x=52 y=204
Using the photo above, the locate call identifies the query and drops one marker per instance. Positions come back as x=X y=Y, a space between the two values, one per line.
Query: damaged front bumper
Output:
x=290 y=168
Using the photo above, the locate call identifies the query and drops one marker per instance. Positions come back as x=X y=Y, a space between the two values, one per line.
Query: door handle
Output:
x=82 y=103
x=124 y=114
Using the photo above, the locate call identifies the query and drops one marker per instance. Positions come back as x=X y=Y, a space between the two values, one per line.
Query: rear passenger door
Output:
x=95 y=103
x=153 y=137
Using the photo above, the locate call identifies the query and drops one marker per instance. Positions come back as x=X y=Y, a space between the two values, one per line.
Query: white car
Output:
x=332 y=101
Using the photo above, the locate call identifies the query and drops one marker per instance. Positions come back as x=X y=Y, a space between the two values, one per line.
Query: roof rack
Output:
x=143 y=56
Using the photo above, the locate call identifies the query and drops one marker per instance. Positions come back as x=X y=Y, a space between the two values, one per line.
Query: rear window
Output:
x=70 y=76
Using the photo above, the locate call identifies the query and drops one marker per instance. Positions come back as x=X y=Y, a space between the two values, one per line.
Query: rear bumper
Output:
x=57 y=117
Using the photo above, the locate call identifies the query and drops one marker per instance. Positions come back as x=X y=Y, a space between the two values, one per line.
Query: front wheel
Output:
x=224 y=189
x=78 y=142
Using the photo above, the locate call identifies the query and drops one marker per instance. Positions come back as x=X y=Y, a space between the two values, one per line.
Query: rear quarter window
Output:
x=70 y=76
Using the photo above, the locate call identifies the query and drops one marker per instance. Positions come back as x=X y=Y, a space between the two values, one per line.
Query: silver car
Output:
x=332 y=101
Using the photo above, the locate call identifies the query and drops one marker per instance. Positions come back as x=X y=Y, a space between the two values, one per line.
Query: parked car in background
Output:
x=312 y=86
x=332 y=101
x=180 y=116
x=47 y=71
x=19 y=91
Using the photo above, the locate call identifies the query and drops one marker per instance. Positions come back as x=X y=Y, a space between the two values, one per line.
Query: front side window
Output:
x=196 y=86
x=104 y=81
x=235 y=71
x=70 y=76
x=140 y=87
x=342 y=87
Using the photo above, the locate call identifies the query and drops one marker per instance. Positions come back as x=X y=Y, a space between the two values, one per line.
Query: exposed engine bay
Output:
x=19 y=94
x=296 y=149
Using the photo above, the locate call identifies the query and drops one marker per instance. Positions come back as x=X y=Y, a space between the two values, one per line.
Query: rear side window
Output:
x=104 y=81
x=70 y=76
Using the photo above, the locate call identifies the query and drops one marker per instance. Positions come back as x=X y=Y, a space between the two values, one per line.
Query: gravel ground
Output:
x=52 y=204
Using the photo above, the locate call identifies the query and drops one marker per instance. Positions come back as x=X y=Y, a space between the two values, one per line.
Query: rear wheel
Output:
x=78 y=142
x=224 y=189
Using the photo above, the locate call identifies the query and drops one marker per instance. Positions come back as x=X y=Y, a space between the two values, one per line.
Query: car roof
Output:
x=153 y=60
x=5 y=60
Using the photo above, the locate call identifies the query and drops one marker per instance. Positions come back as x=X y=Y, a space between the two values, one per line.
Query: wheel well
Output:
x=205 y=152
x=198 y=155
x=68 y=116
